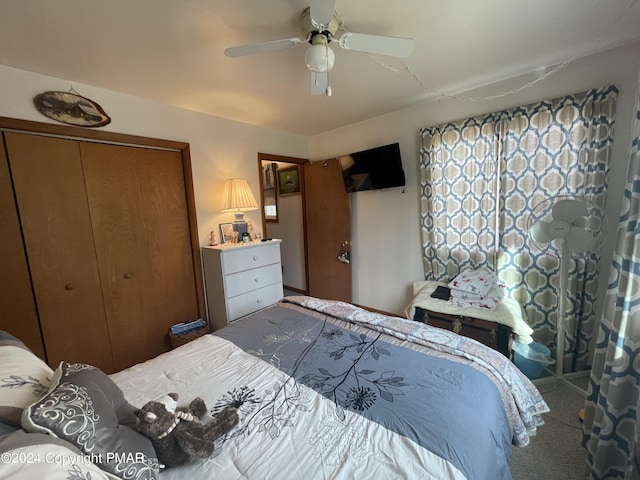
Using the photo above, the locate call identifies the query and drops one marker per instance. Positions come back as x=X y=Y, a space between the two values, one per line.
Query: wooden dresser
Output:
x=241 y=279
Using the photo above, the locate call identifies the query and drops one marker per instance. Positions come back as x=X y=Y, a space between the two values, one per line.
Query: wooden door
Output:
x=51 y=197
x=169 y=239
x=143 y=245
x=18 y=314
x=328 y=229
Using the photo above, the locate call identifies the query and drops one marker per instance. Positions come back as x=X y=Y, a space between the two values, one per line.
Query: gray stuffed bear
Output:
x=177 y=433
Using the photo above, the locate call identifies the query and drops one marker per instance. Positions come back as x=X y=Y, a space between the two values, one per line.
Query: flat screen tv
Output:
x=372 y=169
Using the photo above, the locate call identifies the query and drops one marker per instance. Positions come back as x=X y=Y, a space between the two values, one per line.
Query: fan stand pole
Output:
x=562 y=319
x=562 y=310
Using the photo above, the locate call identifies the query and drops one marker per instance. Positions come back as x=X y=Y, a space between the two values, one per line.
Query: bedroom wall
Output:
x=220 y=148
x=387 y=255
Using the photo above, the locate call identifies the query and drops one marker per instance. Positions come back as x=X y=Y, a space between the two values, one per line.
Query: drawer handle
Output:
x=127 y=276
x=69 y=286
x=258 y=300
x=257 y=279
x=255 y=257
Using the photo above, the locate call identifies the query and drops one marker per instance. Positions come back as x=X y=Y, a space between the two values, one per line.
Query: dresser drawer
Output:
x=244 y=304
x=240 y=259
x=248 y=280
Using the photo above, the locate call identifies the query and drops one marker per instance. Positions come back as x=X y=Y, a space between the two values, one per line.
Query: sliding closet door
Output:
x=18 y=314
x=49 y=188
x=140 y=223
x=169 y=238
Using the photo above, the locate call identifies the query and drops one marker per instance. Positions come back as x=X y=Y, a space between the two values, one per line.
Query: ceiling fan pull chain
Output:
x=328 y=89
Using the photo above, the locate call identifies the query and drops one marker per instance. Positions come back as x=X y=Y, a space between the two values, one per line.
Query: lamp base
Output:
x=240 y=225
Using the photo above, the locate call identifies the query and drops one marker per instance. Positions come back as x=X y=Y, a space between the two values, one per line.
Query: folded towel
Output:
x=489 y=301
x=477 y=282
x=496 y=290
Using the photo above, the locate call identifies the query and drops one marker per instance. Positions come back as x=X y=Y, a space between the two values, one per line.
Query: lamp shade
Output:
x=237 y=196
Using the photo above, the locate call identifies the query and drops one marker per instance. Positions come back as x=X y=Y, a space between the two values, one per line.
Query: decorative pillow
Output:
x=24 y=378
x=86 y=408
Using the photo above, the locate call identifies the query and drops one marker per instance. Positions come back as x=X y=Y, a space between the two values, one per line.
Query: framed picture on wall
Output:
x=289 y=180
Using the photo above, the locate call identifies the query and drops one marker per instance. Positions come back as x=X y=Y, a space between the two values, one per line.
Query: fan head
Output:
x=567 y=225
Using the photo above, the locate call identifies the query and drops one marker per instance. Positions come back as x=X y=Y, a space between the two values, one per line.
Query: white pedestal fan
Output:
x=566 y=227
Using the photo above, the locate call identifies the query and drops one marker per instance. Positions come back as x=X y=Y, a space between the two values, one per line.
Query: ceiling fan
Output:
x=319 y=24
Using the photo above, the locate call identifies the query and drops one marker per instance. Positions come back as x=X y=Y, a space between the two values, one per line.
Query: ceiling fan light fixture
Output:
x=319 y=58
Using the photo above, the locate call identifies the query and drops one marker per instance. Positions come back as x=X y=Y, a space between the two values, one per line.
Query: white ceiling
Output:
x=173 y=50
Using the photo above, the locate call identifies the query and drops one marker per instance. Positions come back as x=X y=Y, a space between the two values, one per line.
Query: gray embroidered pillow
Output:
x=86 y=408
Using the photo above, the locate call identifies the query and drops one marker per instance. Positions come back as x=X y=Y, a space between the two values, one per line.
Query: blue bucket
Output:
x=531 y=358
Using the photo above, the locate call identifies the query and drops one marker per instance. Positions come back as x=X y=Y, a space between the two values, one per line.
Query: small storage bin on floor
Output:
x=531 y=358
x=182 y=333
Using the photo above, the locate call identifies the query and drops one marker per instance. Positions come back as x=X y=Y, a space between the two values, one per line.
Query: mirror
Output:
x=283 y=205
x=269 y=196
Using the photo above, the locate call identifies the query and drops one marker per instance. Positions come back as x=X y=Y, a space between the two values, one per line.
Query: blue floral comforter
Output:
x=328 y=391
x=447 y=405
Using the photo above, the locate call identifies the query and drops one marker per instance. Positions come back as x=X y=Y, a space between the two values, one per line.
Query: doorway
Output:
x=283 y=200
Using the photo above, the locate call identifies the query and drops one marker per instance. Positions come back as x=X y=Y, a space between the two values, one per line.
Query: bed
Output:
x=324 y=390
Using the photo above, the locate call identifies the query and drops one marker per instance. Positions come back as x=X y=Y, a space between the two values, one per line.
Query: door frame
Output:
x=269 y=157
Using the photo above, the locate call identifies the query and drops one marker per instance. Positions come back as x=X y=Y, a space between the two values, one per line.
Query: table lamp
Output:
x=237 y=198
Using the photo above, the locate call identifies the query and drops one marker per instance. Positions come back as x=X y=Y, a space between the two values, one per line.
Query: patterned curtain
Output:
x=482 y=177
x=459 y=181
x=612 y=414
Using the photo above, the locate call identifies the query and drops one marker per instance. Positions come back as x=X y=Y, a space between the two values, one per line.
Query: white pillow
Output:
x=24 y=379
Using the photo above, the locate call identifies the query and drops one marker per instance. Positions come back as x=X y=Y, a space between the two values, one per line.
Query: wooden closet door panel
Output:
x=169 y=238
x=52 y=202
x=122 y=248
x=18 y=314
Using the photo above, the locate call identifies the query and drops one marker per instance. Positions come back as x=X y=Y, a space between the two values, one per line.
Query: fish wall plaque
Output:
x=71 y=108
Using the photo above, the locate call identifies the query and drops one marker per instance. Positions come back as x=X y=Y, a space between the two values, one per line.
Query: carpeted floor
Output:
x=555 y=452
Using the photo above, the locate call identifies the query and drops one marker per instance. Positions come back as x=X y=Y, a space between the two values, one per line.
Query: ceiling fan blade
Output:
x=569 y=210
x=321 y=13
x=540 y=233
x=393 y=46
x=579 y=240
x=319 y=82
x=250 y=49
